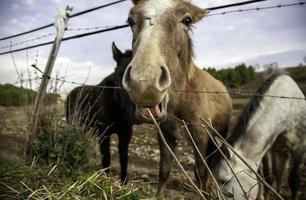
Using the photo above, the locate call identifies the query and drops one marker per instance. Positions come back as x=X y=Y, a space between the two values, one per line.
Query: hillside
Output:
x=297 y=73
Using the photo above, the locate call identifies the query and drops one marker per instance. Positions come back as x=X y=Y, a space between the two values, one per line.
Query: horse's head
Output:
x=229 y=183
x=121 y=97
x=162 y=52
x=122 y=60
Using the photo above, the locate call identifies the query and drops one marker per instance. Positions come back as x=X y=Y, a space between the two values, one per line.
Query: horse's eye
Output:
x=130 y=21
x=187 y=20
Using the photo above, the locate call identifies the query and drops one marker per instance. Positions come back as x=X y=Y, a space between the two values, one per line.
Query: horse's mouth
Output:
x=158 y=111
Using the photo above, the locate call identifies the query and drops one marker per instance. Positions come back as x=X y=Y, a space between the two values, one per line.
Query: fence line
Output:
x=51 y=24
x=112 y=28
x=67 y=38
x=236 y=93
x=259 y=8
x=116 y=2
x=235 y=4
x=88 y=28
x=28 y=40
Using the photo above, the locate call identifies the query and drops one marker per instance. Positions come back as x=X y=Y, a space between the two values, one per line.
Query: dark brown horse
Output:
x=163 y=67
x=107 y=110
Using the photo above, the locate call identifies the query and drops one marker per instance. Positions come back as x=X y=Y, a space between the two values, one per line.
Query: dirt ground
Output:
x=143 y=152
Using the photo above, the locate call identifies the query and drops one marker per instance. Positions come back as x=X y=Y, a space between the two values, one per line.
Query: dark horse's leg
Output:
x=124 y=136
x=105 y=151
x=169 y=132
x=294 y=179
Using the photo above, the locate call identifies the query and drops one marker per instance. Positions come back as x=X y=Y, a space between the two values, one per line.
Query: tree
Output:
x=240 y=74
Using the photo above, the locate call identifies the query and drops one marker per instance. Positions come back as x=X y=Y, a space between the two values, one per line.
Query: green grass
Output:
x=21 y=181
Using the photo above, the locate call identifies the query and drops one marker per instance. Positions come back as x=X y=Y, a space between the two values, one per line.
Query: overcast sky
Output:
x=276 y=35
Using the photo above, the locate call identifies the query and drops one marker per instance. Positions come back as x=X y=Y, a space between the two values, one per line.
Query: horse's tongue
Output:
x=154 y=110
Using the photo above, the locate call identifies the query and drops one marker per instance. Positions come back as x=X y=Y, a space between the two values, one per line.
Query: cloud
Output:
x=29 y=1
x=71 y=70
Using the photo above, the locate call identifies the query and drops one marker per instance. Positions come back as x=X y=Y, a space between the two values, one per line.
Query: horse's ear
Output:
x=136 y=1
x=116 y=52
x=199 y=14
x=196 y=12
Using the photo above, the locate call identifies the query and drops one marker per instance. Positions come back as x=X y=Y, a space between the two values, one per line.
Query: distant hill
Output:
x=297 y=73
x=283 y=59
x=242 y=77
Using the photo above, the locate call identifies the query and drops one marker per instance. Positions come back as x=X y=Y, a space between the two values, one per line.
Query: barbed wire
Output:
x=259 y=8
x=112 y=28
x=236 y=93
x=67 y=38
x=88 y=28
x=50 y=34
x=214 y=14
x=28 y=40
x=116 y=2
x=73 y=15
x=239 y=94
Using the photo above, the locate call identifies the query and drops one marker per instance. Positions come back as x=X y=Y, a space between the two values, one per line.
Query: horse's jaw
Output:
x=158 y=111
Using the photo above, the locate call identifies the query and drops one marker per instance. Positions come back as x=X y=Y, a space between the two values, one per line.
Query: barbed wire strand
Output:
x=116 y=2
x=87 y=28
x=50 y=34
x=258 y=8
x=73 y=15
x=67 y=38
x=230 y=92
x=28 y=40
x=234 y=4
x=126 y=25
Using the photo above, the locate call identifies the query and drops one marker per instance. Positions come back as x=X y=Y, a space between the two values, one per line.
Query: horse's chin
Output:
x=158 y=111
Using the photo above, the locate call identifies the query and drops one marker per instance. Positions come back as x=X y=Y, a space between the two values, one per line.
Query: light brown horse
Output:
x=162 y=65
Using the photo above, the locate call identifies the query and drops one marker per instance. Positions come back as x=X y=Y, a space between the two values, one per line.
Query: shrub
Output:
x=66 y=146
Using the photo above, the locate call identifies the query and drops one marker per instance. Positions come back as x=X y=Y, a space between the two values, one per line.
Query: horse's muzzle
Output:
x=158 y=111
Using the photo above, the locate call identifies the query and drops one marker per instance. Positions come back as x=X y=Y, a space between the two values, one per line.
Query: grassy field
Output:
x=143 y=159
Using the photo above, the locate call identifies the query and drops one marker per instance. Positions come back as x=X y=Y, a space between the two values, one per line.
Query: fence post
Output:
x=60 y=25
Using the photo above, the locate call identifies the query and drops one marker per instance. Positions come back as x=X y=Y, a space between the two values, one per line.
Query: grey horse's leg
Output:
x=268 y=175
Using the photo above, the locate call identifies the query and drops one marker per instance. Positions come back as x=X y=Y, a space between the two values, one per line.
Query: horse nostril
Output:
x=165 y=80
x=126 y=80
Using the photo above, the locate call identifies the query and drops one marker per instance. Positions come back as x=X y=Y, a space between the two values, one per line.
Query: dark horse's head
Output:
x=122 y=61
x=124 y=105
